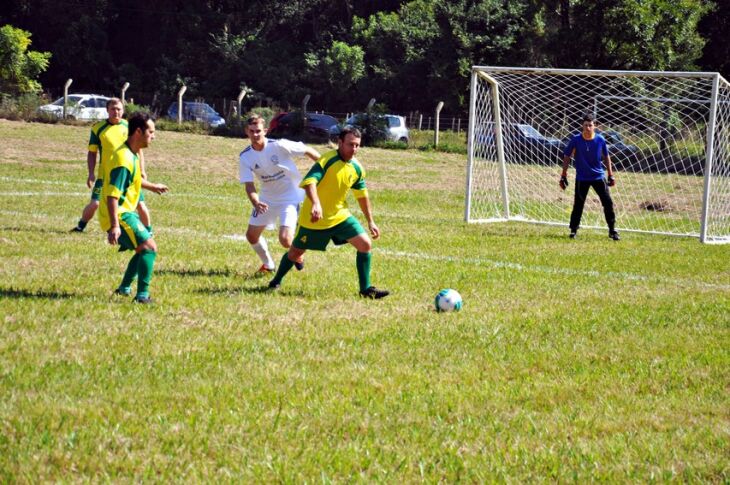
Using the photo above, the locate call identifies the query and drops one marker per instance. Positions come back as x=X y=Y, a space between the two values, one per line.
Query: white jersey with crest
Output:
x=275 y=169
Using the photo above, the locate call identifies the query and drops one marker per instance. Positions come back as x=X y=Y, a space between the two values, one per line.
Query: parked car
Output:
x=622 y=154
x=522 y=142
x=79 y=107
x=316 y=126
x=194 y=111
x=383 y=127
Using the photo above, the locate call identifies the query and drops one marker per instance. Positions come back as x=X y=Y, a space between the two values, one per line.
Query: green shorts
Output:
x=317 y=239
x=133 y=231
x=96 y=190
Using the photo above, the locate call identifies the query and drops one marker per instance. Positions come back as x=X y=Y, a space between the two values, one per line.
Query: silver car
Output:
x=79 y=107
x=393 y=126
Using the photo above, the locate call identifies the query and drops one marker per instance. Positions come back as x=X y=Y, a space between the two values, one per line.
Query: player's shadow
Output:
x=237 y=290
x=37 y=294
x=44 y=230
x=195 y=272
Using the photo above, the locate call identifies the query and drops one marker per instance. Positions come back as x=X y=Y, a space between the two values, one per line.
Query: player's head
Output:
x=588 y=123
x=115 y=109
x=256 y=129
x=348 y=143
x=141 y=130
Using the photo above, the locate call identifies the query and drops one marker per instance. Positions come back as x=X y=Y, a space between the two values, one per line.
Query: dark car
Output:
x=622 y=154
x=291 y=125
x=193 y=111
x=523 y=143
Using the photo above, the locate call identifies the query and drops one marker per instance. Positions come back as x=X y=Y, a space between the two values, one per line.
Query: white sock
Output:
x=262 y=249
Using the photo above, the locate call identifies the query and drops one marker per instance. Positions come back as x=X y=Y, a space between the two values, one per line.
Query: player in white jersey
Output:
x=271 y=162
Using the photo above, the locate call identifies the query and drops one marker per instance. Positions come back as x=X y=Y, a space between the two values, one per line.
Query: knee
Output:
x=148 y=245
x=286 y=241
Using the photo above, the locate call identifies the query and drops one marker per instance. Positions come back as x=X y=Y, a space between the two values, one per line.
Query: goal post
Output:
x=668 y=135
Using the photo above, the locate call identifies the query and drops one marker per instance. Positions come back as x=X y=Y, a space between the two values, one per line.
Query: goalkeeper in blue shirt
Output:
x=590 y=152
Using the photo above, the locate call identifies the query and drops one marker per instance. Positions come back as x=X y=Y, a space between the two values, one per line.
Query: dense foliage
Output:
x=404 y=53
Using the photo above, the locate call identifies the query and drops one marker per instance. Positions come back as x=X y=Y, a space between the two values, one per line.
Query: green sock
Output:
x=130 y=274
x=284 y=266
x=144 y=271
x=149 y=228
x=363 y=270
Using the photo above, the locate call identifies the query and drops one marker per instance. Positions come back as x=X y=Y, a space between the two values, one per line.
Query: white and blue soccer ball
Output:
x=448 y=300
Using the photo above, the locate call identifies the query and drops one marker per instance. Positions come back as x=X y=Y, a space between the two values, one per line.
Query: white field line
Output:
x=239 y=238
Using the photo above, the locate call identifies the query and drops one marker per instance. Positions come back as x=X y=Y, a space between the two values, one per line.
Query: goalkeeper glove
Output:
x=563 y=182
x=611 y=181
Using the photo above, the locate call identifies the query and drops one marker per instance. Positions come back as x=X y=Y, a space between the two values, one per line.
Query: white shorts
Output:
x=286 y=213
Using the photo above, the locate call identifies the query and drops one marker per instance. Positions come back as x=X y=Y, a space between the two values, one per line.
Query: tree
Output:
x=19 y=67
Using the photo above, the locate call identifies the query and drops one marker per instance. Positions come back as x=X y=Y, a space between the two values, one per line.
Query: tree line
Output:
x=406 y=54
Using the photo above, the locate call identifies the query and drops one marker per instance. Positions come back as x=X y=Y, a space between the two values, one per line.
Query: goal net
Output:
x=668 y=136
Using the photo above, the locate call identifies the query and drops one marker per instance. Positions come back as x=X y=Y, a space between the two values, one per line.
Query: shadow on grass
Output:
x=40 y=294
x=44 y=230
x=194 y=272
x=237 y=290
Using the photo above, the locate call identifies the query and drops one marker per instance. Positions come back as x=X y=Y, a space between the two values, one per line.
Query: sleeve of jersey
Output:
x=314 y=175
x=94 y=142
x=118 y=180
x=294 y=148
x=359 y=189
x=244 y=171
x=569 y=148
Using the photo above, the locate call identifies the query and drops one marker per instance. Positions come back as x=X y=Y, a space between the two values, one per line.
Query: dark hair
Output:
x=112 y=101
x=255 y=119
x=138 y=120
x=588 y=117
x=350 y=130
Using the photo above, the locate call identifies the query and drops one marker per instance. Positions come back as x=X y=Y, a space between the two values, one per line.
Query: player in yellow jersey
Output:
x=120 y=194
x=106 y=136
x=324 y=216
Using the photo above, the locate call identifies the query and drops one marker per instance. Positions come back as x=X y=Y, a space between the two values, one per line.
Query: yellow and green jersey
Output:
x=334 y=178
x=105 y=138
x=123 y=181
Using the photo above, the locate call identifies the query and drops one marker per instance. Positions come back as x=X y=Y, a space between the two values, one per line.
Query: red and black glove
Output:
x=563 y=182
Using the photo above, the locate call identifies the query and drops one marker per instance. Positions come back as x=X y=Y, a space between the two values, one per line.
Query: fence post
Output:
x=240 y=97
x=420 y=121
x=65 y=95
x=458 y=126
x=436 y=127
x=180 y=104
x=125 y=86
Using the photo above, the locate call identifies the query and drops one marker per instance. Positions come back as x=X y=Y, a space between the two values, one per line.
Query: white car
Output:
x=79 y=107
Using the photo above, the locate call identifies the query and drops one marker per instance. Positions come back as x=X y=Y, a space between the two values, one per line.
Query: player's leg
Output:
x=254 y=235
x=286 y=264
x=91 y=207
x=353 y=233
x=304 y=239
x=136 y=237
x=288 y=222
x=604 y=193
x=579 y=201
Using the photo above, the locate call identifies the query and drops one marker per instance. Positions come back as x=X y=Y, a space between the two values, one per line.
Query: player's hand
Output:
x=316 y=212
x=261 y=207
x=563 y=182
x=374 y=230
x=112 y=236
x=159 y=188
x=611 y=181
x=90 y=181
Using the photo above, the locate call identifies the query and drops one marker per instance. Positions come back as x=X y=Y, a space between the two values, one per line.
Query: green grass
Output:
x=571 y=361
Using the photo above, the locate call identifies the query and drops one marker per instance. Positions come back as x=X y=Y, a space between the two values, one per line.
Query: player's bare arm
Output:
x=91 y=164
x=156 y=188
x=311 y=191
x=114 y=231
x=367 y=211
x=253 y=196
x=313 y=154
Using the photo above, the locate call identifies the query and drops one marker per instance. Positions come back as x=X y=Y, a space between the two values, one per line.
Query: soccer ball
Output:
x=448 y=300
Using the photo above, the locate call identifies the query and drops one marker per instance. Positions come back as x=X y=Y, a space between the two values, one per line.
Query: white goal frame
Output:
x=674 y=179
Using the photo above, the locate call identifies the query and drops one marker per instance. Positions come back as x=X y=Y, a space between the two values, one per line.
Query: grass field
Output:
x=571 y=361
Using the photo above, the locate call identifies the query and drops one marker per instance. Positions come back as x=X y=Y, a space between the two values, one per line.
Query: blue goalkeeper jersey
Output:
x=588 y=155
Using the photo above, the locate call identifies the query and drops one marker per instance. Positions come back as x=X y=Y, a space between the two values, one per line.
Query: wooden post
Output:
x=65 y=95
x=240 y=97
x=125 y=86
x=420 y=121
x=180 y=104
x=436 y=127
